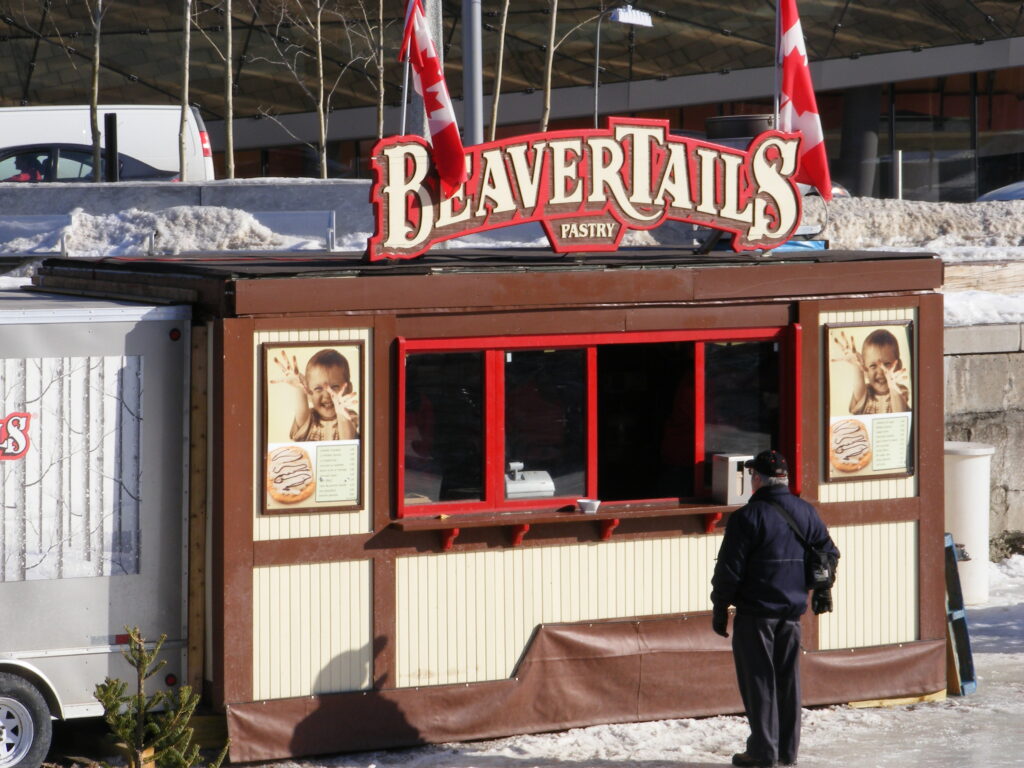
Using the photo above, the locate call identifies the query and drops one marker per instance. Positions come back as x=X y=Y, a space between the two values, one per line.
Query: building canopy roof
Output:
x=46 y=46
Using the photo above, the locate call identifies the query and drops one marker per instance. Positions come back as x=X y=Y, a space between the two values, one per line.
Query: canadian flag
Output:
x=449 y=156
x=798 y=111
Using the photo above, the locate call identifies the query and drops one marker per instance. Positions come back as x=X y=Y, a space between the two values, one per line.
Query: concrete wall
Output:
x=984 y=367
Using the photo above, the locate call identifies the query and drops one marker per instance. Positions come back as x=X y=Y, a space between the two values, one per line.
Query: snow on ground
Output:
x=983 y=308
x=981 y=729
x=961 y=231
x=136 y=232
x=175 y=230
x=865 y=222
x=957 y=232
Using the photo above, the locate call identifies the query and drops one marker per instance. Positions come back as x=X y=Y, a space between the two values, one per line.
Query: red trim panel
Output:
x=494 y=349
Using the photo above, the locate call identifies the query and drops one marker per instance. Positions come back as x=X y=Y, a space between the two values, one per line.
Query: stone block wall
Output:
x=984 y=369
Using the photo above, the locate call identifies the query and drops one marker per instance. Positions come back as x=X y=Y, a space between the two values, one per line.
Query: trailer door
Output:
x=92 y=459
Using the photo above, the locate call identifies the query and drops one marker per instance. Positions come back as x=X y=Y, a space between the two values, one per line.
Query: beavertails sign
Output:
x=587 y=187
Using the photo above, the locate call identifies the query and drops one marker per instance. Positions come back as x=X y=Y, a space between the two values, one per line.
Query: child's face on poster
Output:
x=325 y=383
x=878 y=359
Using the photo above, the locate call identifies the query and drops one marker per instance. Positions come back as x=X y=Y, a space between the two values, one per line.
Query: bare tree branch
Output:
x=299 y=37
x=499 y=65
x=548 y=66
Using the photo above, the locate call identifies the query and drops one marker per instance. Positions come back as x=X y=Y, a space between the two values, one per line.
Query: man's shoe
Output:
x=743 y=760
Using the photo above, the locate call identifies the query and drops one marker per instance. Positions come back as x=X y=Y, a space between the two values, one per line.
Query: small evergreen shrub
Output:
x=152 y=730
x=1005 y=544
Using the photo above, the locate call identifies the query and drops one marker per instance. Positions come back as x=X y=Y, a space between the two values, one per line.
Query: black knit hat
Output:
x=769 y=464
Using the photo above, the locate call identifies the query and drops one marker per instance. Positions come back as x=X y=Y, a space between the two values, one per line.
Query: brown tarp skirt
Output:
x=573 y=675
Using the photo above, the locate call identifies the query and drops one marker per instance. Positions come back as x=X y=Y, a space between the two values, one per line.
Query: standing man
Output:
x=760 y=570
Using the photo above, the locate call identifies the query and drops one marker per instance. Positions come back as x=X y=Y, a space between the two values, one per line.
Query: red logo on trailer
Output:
x=14 y=441
x=587 y=187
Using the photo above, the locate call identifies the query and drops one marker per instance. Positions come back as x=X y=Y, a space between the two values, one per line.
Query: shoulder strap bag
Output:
x=819 y=564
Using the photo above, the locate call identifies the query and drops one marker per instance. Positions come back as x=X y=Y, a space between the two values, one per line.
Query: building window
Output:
x=533 y=423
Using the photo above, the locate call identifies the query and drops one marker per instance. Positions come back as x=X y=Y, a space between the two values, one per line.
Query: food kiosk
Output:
x=397 y=554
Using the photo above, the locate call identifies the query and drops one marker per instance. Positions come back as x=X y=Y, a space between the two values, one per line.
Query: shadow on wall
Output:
x=351 y=720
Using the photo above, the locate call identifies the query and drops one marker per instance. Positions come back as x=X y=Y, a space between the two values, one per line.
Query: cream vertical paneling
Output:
x=866 y=490
x=875 y=598
x=467 y=616
x=297 y=526
x=312 y=629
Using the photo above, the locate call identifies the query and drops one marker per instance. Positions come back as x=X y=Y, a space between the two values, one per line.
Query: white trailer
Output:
x=93 y=456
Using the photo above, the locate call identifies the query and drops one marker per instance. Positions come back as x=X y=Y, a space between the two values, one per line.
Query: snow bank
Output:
x=988 y=231
x=866 y=222
x=135 y=232
x=982 y=308
x=957 y=232
x=174 y=230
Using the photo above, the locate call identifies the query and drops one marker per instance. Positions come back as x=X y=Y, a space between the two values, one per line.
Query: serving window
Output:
x=535 y=422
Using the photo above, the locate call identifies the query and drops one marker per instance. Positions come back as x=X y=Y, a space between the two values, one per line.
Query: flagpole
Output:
x=405 y=94
x=777 y=65
x=404 y=52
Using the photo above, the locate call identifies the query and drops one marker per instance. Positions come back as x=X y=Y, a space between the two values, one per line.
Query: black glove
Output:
x=720 y=621
x=821 y=601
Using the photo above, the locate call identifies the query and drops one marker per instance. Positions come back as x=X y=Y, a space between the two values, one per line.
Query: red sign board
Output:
x=587 y=187
x=14 y=442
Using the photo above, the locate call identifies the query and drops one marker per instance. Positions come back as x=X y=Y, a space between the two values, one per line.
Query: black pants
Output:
x=767 y=655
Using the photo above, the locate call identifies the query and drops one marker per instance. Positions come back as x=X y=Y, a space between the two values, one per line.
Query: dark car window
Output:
x=29 y=166
x=74 y=166
x=69 y=163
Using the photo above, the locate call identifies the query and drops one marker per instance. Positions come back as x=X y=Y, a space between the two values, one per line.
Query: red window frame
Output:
x=494 y=349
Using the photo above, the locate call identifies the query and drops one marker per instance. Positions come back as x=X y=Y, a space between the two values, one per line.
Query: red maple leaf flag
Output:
x=448 y=153
x=798 y=111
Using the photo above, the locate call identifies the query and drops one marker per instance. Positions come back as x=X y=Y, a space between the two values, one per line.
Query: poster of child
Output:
x=313 y=415
x=872 y=364
x=870 y=400
x=313 y=392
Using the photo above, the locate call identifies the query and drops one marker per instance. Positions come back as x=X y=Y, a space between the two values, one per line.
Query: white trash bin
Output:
x=967 y=471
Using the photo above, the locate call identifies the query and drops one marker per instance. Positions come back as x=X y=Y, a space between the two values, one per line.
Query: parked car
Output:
x=69 y=162
x=1013 y=191
x=147 y=134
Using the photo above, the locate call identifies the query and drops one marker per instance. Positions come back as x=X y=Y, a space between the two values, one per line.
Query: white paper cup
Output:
x=588 y=506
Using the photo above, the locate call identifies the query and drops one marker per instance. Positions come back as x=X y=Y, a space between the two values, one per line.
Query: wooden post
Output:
x=197 y=500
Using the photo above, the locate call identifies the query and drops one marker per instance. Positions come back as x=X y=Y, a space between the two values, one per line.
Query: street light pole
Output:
x=597 y=63
x=472 y=74
x=626 y=14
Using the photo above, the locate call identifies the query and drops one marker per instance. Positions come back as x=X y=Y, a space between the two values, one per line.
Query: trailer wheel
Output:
x=25 y=727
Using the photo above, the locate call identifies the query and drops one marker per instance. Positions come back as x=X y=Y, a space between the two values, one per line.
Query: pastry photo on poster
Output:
x=312 y=455
x=870 y=401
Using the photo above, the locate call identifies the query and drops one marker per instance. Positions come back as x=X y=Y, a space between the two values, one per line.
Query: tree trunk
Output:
x=548 y=67
x=94 y=96
x=229 y=93
x=321 y=106
x=186 y=47
x=380 y=69
x=497 y=69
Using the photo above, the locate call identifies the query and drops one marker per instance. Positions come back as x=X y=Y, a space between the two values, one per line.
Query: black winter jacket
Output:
x=760 y=566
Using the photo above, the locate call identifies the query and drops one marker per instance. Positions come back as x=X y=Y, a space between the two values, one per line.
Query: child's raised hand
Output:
x=346 y=405
x=290 y=373
x=897 y=378
x=845 y=351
